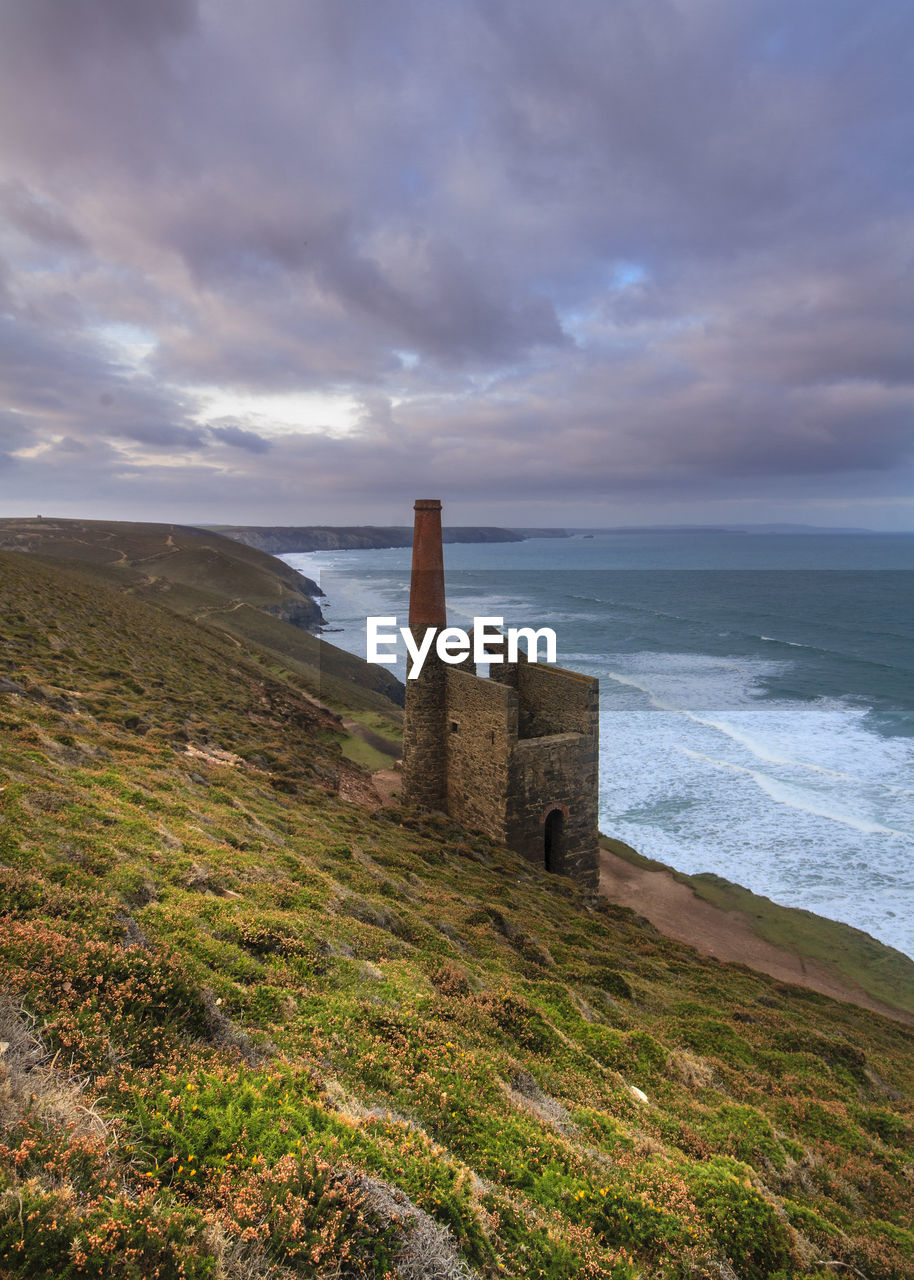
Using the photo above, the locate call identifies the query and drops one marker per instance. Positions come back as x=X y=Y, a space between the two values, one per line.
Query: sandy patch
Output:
x=676 y=910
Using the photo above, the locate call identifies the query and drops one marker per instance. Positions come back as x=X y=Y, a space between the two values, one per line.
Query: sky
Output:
x=602 y=262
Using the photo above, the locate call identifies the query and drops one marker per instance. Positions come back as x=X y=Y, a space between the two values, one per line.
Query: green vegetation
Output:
x=225 y=587
x=251 y=1030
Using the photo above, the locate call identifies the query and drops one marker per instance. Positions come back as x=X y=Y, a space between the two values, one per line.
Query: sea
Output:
x=756 y=690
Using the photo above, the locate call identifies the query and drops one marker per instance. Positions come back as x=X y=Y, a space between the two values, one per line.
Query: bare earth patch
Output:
x=677 y=911
x=388 y=783
x=356 y=787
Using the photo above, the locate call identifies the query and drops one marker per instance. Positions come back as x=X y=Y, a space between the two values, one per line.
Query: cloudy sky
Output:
x=597 y=262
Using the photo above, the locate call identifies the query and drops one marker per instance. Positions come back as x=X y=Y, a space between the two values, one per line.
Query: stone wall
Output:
x=553 y=700
x=506 y=786
x=500 y=754
x=556 y=772
x=480 y=726
x=424 y=754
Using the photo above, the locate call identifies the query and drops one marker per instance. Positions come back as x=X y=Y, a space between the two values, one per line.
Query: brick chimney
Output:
x=426 y=587
x=424 y=776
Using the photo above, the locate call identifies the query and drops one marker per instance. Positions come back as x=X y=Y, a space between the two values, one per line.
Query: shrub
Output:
x=518 y=1019
x=744 y=1133
x=304 y=1212
x=111 y=1237
x=890 y=1128
x=625 y=1218
x=108 y=1003
x=743 y=1224
x=715 y=1039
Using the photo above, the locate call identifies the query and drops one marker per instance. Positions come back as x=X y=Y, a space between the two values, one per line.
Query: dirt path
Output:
x=387 y=783
x=219 y=608
x=677 y=911
x=386 y=746
x=159 y=555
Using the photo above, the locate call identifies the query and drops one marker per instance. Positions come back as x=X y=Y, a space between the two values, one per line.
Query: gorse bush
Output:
x=744 y=1224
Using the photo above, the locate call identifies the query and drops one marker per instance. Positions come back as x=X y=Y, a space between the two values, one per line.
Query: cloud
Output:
x=37 y=219
x=652 y=248
x=15 y=431
x=239 y=438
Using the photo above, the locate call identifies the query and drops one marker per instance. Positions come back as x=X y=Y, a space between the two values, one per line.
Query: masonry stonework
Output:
x=481 y=725
x=514 y=755
x=424 y=761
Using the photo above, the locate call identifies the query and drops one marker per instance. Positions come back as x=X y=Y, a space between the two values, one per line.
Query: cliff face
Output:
x=542 y=533
x=280 y=539
x=302 y=613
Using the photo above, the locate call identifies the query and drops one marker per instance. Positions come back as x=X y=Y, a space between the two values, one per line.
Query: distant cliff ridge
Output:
x=280 y=539
x=202 y=573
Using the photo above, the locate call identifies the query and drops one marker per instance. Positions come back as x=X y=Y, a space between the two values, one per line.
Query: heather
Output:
x=252 y=1029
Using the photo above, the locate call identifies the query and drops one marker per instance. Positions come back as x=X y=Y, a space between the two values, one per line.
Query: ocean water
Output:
x=757 y=694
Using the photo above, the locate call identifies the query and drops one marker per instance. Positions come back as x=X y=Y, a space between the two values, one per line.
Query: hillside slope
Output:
x=173 y=555
x=728 y=921
x=248 y=1029
x=224 y=585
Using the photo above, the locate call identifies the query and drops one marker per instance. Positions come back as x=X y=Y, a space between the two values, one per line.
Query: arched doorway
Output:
x=554 y=842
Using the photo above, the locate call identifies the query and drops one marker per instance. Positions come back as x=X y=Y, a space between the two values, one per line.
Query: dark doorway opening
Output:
x=554 y=842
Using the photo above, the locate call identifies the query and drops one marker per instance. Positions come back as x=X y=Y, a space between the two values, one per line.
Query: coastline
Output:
x=729 y=923
x=765 y=744
x=280 y=540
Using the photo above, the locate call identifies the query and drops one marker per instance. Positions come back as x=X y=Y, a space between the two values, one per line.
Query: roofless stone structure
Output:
x=514 y=755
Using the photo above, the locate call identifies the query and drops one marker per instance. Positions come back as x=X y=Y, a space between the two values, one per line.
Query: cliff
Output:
x=279 y=540
x=223 y=586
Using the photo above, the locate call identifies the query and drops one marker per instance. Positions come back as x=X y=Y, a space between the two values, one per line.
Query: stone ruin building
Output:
x=513 y=755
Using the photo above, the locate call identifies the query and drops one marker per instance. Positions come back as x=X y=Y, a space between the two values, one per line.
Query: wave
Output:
x=843 y=654
x=783 y=793
x=589 y=599
x=760 y=750
x=794 y=644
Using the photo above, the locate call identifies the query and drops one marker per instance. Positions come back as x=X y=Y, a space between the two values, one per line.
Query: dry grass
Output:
x=238 y=1259
x=524 y=1092
x=429 y=1251
x=694 y=1072
x=31 y=1081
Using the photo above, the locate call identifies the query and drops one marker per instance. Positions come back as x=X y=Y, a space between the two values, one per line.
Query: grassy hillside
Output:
x=173 y=558
x=225 y=586
x=248 y=1029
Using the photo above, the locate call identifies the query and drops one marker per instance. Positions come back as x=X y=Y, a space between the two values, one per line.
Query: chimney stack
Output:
x=424 y=773
x=426 y=588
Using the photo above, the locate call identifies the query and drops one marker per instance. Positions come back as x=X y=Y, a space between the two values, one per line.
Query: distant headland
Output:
x=282 y=539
